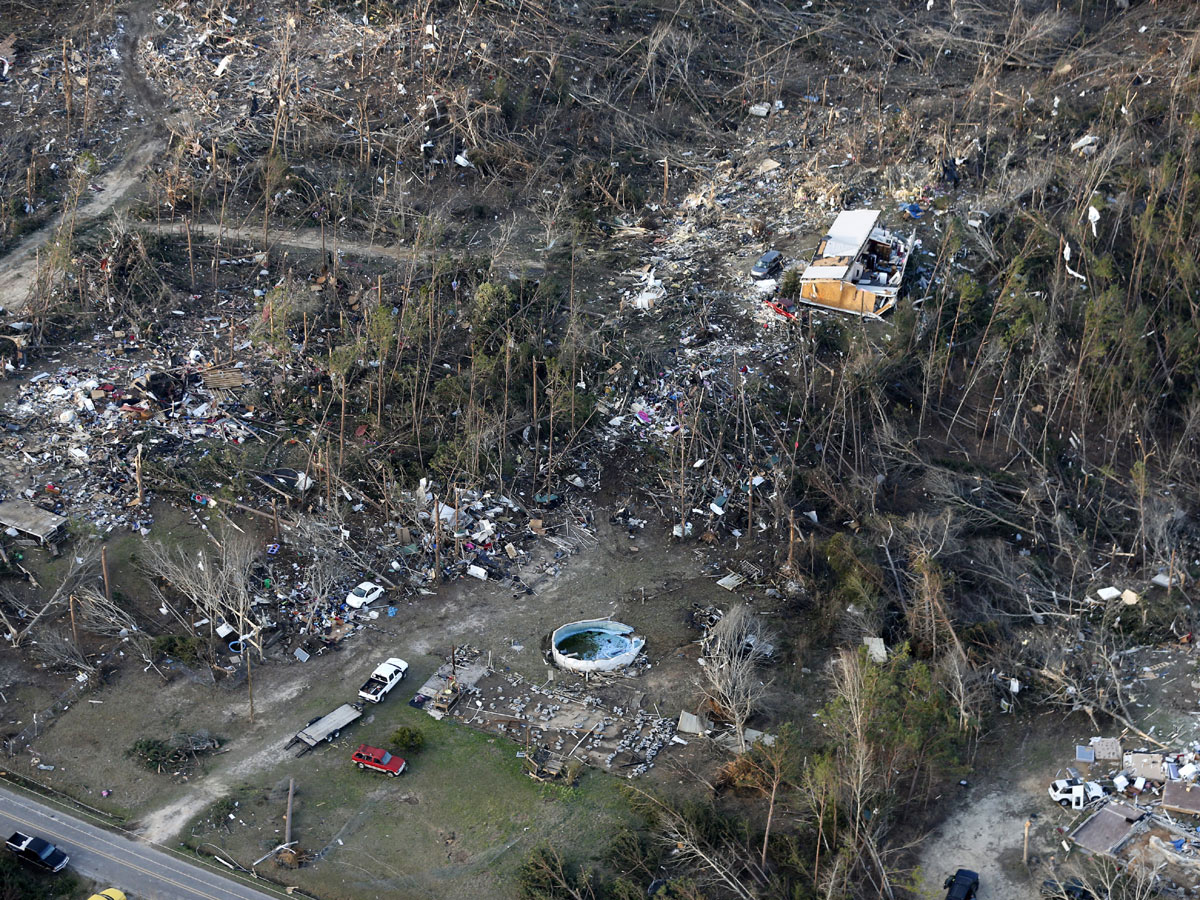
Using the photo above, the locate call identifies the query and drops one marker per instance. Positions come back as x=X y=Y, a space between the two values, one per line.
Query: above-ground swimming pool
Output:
x=595 y=645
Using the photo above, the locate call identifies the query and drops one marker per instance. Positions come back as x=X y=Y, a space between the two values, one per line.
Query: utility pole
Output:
x=791 y=560
x=750 y=506
x=550 y=452
x=245 y=642
x=104 y=572
x=287 y=825
x=137 y=468
x=328 y=477
x=537 y=428
x=249 y=683
x=682 y=484
x=437 y=540
x=74 y=633
x=342 y=428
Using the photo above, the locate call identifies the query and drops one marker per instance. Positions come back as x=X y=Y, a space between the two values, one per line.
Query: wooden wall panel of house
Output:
x=839 y=295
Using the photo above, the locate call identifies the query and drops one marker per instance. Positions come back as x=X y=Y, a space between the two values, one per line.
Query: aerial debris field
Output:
x=596 y=450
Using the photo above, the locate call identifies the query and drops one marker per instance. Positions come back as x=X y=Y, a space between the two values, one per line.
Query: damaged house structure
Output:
x=858 y=267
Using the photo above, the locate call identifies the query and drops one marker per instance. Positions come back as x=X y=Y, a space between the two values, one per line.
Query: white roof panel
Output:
x=849 y=232
x=822 y=273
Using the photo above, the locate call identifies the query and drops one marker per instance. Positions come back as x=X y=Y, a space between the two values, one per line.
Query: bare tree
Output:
x=862 y=770
x=548 y=871
x=552 y=209
x=322 y=571
x=818 y=791
x=964 y=684
x=55 y=646
x=99 y=615
x=770 y=770
x=327 y=537
x=217 y=584
x=857 y=763
x=735 y=650
x=1104 y=878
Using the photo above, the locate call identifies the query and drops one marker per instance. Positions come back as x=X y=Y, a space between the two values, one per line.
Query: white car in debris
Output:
x=1074 y=793
x=364 y=595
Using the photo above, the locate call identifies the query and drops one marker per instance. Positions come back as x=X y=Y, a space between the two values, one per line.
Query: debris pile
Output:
x=571 y=720
x=77 y=438
x=1141 y=805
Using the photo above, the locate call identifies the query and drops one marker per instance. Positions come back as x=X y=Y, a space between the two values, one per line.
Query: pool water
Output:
x=594 y=644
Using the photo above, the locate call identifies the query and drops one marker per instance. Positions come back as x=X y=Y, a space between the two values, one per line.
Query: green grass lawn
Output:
x=457 y=823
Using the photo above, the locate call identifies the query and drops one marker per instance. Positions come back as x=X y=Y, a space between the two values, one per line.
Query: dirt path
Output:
x=18 y=268
x=519 y=264
x=985 y=834
x=165 y=823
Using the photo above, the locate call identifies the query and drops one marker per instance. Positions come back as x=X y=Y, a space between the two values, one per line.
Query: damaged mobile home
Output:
x=858 y=266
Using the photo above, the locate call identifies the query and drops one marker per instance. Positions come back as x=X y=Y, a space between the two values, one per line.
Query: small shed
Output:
x=47 y=527
x=1181 y=797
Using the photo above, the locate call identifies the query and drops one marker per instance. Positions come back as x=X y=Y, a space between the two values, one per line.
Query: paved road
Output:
x=117 y=861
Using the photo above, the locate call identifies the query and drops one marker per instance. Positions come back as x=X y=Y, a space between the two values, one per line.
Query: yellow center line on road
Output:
x=122 y=860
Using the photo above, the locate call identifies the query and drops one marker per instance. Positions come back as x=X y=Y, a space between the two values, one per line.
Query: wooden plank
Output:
x=224 y=378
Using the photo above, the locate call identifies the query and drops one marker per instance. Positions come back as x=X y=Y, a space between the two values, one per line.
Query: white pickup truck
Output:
x=385 y=677
x=1074 y=793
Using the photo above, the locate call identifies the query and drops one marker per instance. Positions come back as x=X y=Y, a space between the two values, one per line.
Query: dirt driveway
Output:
x=984 y=826
x=985 y=834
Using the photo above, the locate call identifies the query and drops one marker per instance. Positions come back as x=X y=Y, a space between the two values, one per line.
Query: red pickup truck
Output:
x=380 y=760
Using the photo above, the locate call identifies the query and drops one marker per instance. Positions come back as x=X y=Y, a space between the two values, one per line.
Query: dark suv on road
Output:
x=962 y=885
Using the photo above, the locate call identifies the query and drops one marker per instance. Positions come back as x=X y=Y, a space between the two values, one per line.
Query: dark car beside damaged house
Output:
x=768 y=265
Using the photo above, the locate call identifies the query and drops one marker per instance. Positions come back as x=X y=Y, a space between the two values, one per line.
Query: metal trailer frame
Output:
x=327 y=727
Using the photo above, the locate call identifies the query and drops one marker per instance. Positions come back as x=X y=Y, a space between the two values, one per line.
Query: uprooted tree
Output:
x=21 y=617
